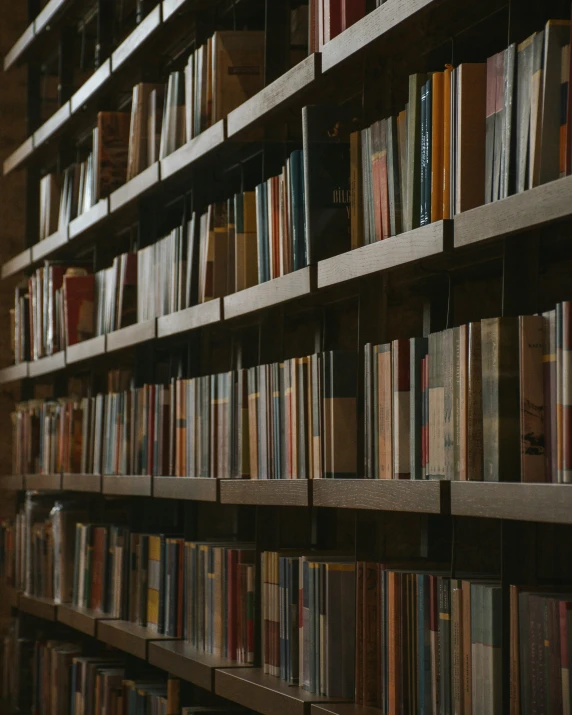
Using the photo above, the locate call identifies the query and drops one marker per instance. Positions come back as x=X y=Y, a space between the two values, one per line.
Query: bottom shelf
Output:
x=128 y=636
x=253 y=689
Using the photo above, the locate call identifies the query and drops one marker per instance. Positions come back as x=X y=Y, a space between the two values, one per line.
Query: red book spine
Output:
x=352 y=11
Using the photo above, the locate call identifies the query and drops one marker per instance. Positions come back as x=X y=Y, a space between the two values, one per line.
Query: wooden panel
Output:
x=48 y=13
x=39 y=607
x=189 y=319
x=185 y=488
x=170 y=7
x=264 y=295
x=18 y=156
x=91 y=86
x=135 y=188
x=274 y=492
x=14 y=373
x=50 y=244
x=550 y=503
x=136 y=485
x=380 y=256
x=17 y=264
x=82 y=483
x=139 y=35
x=82 y=619
x=43 y=366
x=127 y=636
x=344 y=709
x=183 y=661
x=19 y=47
x=265 y=694
x=89 y=219
x=183 y=157
x=11 y=482
x=85 y=350
x=43 y=482
x=275 y=95
x=52 y=125
x=429 y=497
x=521 y=212
x=131 y=335
x=370 y=29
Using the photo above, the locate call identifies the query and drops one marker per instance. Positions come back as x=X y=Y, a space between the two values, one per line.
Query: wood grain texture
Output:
x=82 y=619
x=48 y=14
x=137 y=485
x=43 y=482
x=190 y=152
x=40 y=607
x=20 y=155
x=19 y=47
x=264 y=295
x=527 y=210
x=127 y=636
x=277 y=94
x=399 y=250
x=49 y=245
x=189 y=319
x=549 y=503
x=85 y=350
x=91 y=86
x=139 y=35
x=181 y=660
x=11 y=482
x=43 y=366
x=89 y=219
x=370 y=29
x=186 y=488
x=265 y=694
x=17 y=264
x=271 y=492
x=170 y=7
x=381 y=494
x=52 y=125
x=14 y=373
x=82 y=483
x=131 y=335
x=135 y=188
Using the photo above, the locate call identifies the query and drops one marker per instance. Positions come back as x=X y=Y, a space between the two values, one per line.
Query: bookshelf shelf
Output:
x=131 y=335
x=82 y=619
x=14 y=373
x=128 y=637
x=18 y=263
x=430 y=240
x=82 y=224
x=53 y=125
x=49 y=245
x=549 y=503
x=52 y=363
x=40 y=607
x=184 y=661
x=91 y=86
x=16 y=53
x=428 y=497
x=11 y=482
x=273 y=292
x=185 y=156
x=43 y=482
x=277 y=95
x=269 y=492
x=189 y=319
x=265 y=694
x=86 y=350
x=522 y=212
x=136 y=486
x=48 y=14
x=18 y=156
x=344 y=709
x=170 y=7
x=134 y=189
x=82 y=483
x=186 y=488
x=137 y=38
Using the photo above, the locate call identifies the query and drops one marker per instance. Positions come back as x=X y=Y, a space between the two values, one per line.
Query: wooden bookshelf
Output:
x=128 y=637
x=186 y=488
x=134 y=189
x=139 y=486
x=183 y=661
x=93 y=85
x=198 y=316
x=18 y=49
x=14 y=373
x=53 y=125
x=48 y=14
x=43 y=482
x=265 y=694
x=82 y=619
x=17 y=264
x=86 y=350
x=90 y=483
x=131 y=335
x=184 y=157
x=89 y=220
x=428 y=497
x=44 y=608
x=49 y=245
x=137 y=38
x=11 y=482
x=19 y=156
x=269 y=492
x=43 y=366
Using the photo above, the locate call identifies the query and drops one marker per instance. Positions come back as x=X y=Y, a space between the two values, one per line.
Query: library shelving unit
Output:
x=506 y=258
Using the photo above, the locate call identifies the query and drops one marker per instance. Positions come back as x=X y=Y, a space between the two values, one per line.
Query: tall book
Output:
x=531 y=329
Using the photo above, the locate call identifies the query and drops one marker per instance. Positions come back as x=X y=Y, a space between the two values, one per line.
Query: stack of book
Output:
x=308 y=628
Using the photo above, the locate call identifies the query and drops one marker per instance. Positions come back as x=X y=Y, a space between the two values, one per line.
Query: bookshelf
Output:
x=510 y=257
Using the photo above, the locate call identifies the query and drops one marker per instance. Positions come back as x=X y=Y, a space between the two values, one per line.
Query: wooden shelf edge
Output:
x=190 y=319
x=170 y=7
x=137 y=485
x=91 y=86
x=86 y=350
x=84 y=620
x=188 y=488
x=52 y=363
x=139 y=35
x=131 y=335
x=18 y=156
x=135 y=188
x=19 y=263
x=547 y=503
x=127 y=636
x=12 y=482
x=86 y=221
x=185 y=156
x=344 y=709
x=426 y=497
x=90 y=483
x=40 y=607
x=43 y=482
x=14 y=373
x=16 y=52
x=52 y=125
x=47 y=14
x=269 y=492
x=49 y=245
